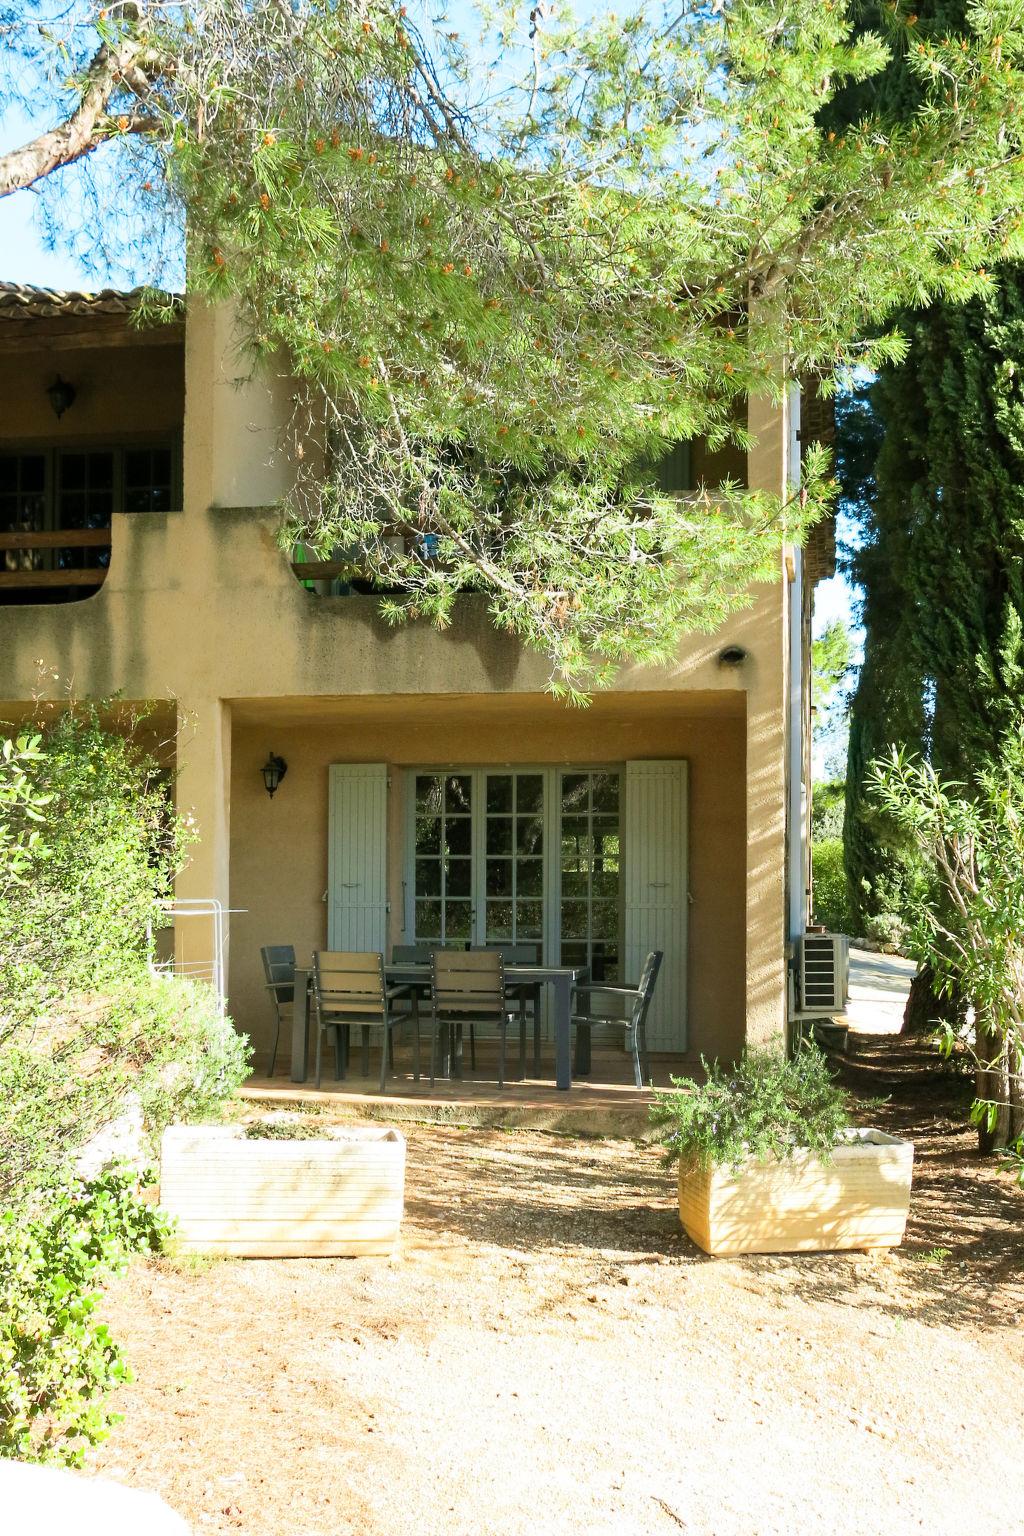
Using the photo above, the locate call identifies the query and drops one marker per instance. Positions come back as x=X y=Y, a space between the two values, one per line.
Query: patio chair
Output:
x=523 y=993
x=635 y=1002
x=468 y=987
x=279 y=969
x=349 y=988
x=419 y=991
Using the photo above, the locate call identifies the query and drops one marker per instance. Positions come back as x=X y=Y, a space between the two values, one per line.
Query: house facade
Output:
x=433 y=789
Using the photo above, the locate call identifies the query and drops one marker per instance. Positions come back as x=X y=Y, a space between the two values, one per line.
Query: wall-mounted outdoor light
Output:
x=732 y=656
x=61 y=396
x=273 y=771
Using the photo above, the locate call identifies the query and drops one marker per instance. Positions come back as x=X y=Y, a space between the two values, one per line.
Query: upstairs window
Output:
x=48 y=492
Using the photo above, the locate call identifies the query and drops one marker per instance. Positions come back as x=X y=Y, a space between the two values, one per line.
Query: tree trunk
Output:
x=926 y=1008
x=1001 y=1083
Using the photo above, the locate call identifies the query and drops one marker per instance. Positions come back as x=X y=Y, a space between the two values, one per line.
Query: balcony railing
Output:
x=31 y=560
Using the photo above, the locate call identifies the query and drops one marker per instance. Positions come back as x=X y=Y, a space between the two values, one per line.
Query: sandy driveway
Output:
x=549 y=1355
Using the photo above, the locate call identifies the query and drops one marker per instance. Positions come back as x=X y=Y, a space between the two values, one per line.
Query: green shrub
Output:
x=765 y=1108
x=89 y=847
x=158 y=1039
x=889 y=930
x=831 y=898
x=828 y=809
x=57 y=1359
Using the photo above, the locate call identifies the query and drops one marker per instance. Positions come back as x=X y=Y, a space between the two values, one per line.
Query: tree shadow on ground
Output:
x=962 y=1263
x=962 y=1260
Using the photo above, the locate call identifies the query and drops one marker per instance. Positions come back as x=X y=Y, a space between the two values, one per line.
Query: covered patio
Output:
x=590 y=837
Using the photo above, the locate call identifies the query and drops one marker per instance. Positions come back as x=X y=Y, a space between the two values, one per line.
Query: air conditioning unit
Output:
x=823 y=974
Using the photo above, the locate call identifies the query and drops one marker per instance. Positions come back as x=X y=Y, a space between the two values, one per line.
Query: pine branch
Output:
x=130 y=63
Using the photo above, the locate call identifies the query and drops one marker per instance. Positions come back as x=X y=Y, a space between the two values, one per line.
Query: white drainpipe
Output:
x=796 y=874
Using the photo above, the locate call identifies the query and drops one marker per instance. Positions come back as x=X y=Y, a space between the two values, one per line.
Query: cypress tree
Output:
x=942 y=562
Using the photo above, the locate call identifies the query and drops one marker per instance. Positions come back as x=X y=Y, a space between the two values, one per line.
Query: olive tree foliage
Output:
x=509 y=271
x=970 y=931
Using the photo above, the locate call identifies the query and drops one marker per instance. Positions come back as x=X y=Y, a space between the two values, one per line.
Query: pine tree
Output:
x=511 y=271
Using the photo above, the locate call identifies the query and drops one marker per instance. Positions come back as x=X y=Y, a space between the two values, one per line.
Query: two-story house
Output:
x=434 y=790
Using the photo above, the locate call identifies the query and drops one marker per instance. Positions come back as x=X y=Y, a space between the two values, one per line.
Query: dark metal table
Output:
x=560 y=978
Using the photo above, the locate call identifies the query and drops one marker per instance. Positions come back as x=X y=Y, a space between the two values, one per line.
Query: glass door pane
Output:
x=591 y=872
x=514 y=859
x=85 y=500
x=443 y=877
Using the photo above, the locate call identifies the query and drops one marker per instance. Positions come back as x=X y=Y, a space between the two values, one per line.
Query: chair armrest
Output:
x=279 y=986
x=403 y=989
x=609 y=991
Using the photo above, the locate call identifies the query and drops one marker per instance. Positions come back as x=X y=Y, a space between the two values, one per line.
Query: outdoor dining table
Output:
x=560 y=978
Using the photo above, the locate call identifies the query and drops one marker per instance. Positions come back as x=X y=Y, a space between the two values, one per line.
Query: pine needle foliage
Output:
x=509 y=273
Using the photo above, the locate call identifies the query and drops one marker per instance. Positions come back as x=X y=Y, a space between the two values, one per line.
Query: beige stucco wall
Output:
x=121 y=393
x=200 y=607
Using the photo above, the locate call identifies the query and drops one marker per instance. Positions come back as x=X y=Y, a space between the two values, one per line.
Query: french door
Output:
x=518 y=856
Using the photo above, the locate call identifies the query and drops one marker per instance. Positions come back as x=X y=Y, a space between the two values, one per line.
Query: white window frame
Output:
x=552 y=873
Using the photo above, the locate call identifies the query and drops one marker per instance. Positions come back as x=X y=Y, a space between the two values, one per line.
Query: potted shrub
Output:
x=769 y=1162
x=286 y=1186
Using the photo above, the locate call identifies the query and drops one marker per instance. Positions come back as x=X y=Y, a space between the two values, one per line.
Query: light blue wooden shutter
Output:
x=654 y=852
x=357 y=861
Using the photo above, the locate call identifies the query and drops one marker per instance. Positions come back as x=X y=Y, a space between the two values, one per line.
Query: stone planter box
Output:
x=859 y=1200
x=339 y=1195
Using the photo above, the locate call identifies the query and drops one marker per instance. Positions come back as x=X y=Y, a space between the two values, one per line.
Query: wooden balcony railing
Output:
x=25 y=576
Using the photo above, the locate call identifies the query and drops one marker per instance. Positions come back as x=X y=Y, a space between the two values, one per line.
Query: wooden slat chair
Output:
x=419 y=991
x=468 y=987
x=279 y=969
x=635 y=1003
x=523 y=993
x=349 y=988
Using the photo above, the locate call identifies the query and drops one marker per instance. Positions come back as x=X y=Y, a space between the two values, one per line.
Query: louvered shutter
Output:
x=357 y=863
x=654 y=851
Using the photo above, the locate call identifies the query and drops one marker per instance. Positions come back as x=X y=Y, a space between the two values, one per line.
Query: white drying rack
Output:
x=208 y=967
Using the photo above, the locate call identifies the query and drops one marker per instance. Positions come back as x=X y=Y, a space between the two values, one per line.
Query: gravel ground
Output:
x=549 y=1354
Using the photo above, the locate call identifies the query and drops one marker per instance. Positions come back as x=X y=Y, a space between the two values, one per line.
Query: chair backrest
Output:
x=350 y=984
x=469 y=982
x=514 y=954
x=645 y=986
x=279 y=969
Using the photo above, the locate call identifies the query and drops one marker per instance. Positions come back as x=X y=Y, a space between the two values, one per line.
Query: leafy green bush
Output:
x=828 y=809
x=89 y=847
x=88 y=811
x=158 y=1041
x=891 y=931
x=765 y=1108
x=57 y=1359
x=830 y=894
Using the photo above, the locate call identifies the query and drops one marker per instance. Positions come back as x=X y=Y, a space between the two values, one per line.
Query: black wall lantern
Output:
x=61 y=395
x=732 y=656
x=273 y=771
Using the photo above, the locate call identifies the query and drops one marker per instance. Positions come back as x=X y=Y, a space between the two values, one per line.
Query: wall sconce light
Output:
x=732 y=656
x=273 y=771
x=61 y=396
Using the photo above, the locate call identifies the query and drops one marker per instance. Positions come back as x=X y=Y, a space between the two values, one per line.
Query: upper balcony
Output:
x=93 y=411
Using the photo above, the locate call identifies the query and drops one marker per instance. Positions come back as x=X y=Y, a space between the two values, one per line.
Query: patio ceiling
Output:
x=494 y=709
